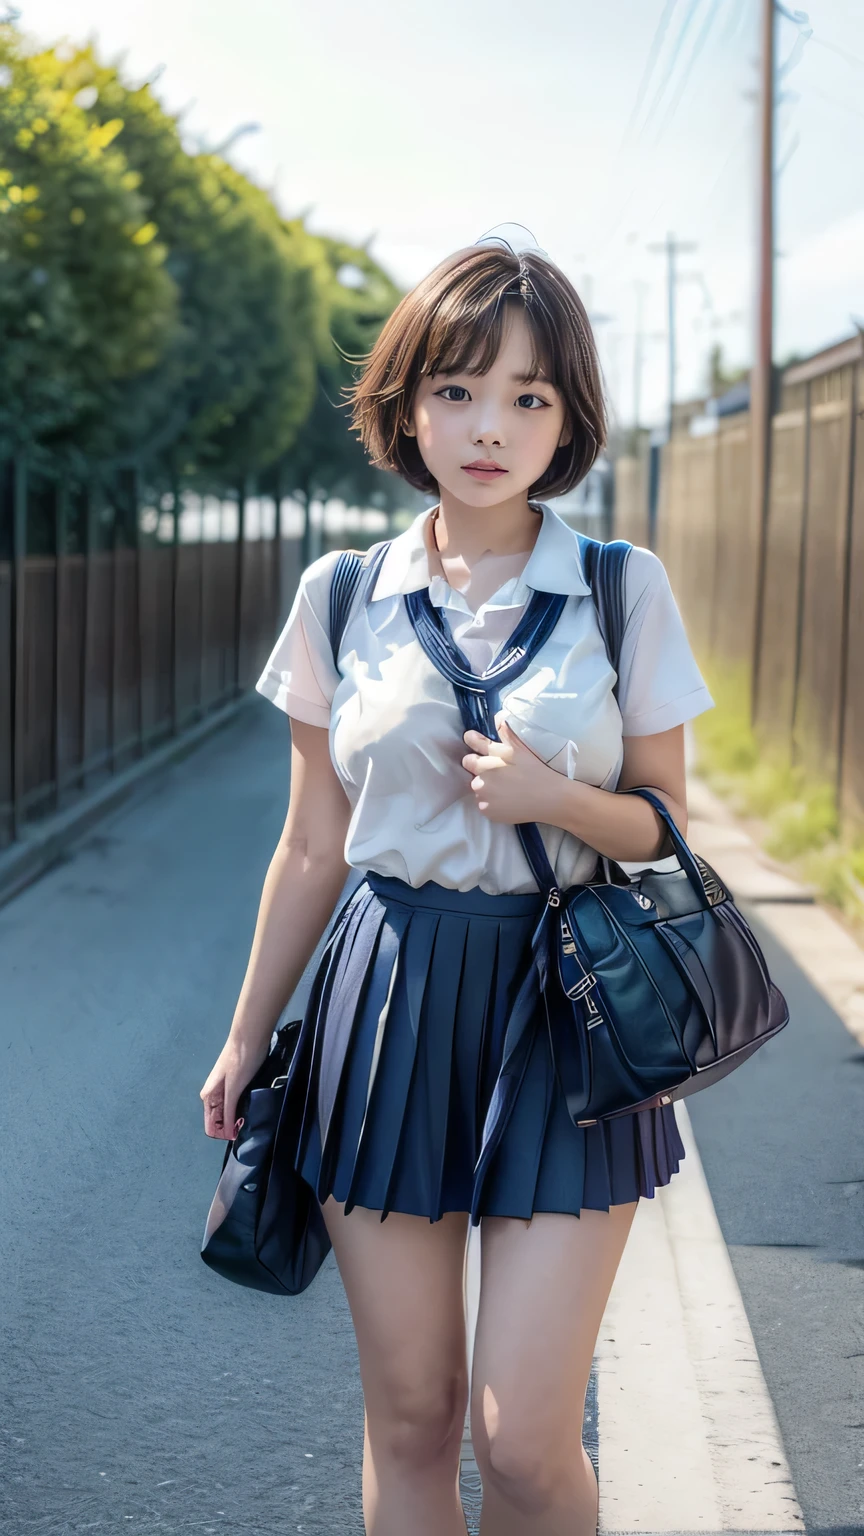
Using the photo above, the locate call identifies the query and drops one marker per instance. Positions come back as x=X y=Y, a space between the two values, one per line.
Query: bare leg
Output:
x=403 y=1280
x=543 y=1292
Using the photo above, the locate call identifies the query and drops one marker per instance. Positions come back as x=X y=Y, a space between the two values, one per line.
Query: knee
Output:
x=529 y=1474
x=420 y=1422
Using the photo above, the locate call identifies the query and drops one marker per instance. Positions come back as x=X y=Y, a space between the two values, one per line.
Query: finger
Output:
x=477 y=741
x=515 y=743
x=477 y=764
x=509 y=735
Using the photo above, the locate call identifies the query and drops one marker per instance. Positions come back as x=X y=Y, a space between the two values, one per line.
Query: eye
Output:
x=461 y=393
x=523 y=398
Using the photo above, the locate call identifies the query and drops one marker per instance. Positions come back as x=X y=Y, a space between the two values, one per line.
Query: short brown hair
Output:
x=453 y=321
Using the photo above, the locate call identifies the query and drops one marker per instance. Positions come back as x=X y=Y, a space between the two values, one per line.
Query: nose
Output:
x=486 y=431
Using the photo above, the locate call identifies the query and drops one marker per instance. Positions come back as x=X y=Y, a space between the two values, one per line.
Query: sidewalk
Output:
x=820 y=945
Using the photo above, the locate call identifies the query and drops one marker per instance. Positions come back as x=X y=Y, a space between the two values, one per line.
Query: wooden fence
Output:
x=783 y=606
x=126 y=615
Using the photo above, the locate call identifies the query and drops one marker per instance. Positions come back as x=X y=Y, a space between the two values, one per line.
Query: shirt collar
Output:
x=554 y=564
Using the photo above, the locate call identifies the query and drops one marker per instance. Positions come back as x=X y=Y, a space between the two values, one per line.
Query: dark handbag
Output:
x=661 y=979
x=282 y=1255
x=655 y=985
x=264 y=1228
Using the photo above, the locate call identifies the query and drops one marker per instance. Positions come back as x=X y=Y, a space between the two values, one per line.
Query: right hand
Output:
x=235 y=1067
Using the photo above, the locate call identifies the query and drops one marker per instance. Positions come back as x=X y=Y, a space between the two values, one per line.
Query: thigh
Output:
x=404 y=1281
x=543 y=1291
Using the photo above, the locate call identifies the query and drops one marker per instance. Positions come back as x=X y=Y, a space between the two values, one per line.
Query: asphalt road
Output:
x=140 y=1391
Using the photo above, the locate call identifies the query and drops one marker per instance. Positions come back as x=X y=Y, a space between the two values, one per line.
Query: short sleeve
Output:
x=659 y=683
x=300 y=676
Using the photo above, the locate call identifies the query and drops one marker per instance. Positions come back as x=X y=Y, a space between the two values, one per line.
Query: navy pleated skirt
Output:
x=407 y=1015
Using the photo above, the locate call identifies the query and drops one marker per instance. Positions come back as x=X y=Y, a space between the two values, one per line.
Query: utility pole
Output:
x=638 y=353
x=672 y=248
x=762 y=374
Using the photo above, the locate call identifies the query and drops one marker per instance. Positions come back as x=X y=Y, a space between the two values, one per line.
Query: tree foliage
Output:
x=327 y=460
x=154 y=305
x=85 y=300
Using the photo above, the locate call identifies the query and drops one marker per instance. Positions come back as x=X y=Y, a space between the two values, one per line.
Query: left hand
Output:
x=510 y=782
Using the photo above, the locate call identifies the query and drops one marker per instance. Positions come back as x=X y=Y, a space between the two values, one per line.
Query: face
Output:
x=494 y=419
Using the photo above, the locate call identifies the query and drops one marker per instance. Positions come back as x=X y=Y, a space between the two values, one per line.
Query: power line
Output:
x=778 y=172
x=698 y=46
x=843 y=53
x=736 y=15
x=653 y=55
x=687 y=23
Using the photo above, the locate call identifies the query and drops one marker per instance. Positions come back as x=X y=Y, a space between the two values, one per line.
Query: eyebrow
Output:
x=515 y=378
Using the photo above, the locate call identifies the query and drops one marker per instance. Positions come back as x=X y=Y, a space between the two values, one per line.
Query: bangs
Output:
x=466 y=335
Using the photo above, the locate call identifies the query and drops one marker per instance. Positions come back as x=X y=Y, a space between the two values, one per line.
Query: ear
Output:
x=407 y=427
x=566 y=435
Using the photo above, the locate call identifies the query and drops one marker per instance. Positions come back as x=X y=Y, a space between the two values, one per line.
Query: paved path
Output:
x=142 y=1393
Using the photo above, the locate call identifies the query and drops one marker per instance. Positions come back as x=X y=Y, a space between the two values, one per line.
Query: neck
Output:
x=509 y=528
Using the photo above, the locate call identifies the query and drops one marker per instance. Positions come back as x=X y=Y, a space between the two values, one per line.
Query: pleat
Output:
x=612 y=1164
x=659 y=1171
x=351 y=987
x=469 y=1041
x=388 y=1098
x=345 y=998
x=419 y=949
x=515 y=1172
x=560 y=1183
x=366 y=1058
x=519 y=1035
x=317 y=1008
x=421 y=1152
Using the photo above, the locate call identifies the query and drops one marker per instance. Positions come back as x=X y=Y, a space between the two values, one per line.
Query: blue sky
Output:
x=421 y=125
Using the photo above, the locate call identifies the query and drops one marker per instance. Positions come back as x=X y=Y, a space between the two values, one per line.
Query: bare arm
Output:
x=302 y=885
x=512 y=784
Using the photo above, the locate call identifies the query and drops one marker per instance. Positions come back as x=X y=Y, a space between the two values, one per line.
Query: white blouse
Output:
x=395 y=728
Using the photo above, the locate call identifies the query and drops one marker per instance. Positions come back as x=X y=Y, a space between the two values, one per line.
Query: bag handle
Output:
x=676 y=837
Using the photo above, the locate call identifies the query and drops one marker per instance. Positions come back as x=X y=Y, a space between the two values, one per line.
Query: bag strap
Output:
x=348 y=572
x=605 y=567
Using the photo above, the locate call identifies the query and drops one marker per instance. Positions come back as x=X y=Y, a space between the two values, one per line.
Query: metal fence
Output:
x=783 y=607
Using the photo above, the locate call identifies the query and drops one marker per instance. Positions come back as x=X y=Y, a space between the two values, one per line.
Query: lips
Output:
x=484 y=469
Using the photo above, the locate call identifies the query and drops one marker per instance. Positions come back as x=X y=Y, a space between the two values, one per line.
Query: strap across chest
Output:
x=478 y=693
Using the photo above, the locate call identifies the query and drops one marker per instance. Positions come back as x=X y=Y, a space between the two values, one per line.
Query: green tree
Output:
x=327 y=460
x=239 y=378
x=85 y=298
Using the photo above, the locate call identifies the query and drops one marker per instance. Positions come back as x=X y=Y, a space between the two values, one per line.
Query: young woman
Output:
x=484 y=389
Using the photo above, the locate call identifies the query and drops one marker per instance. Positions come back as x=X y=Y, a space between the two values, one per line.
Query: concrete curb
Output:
x=45 y=843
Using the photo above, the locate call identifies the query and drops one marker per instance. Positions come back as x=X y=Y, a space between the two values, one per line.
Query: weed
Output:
x=799 y=815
